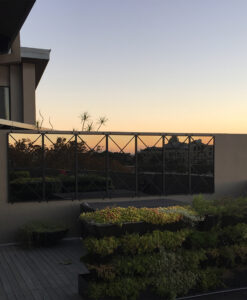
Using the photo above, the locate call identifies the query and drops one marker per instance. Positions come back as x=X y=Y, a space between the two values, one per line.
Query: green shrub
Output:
x=233 y=234
x=158 y=216
x=101 y=247
x=19 y=174
x=132 y=244
x=202 y=240
x=125 y=288
x=24 y=189
x=86 y=183
x=30 y=233
x=209 y=279
x=234 y=208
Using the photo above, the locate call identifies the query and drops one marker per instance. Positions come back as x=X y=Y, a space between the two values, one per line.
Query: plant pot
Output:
x=47 y=238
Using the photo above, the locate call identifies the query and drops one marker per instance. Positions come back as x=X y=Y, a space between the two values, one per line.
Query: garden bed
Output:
x=233 y=280
x=163 y=260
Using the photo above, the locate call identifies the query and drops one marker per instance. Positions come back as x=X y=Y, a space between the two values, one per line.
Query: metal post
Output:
x=76 y=167
x=136 y=165
x=8 y=160
x=107 y=163
x=163 y=166
x=189 y=164
x=43 y=167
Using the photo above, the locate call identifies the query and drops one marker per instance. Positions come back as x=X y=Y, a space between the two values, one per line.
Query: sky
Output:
x=147 y=65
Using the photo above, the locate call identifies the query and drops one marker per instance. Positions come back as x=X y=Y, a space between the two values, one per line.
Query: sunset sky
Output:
x=147 y=65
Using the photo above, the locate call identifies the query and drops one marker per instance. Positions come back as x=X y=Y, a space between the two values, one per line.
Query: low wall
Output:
x=231 y=164
x=12 y=216
x=230 y=180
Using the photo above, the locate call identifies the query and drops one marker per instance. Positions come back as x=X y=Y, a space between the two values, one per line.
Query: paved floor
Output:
x=41 y=273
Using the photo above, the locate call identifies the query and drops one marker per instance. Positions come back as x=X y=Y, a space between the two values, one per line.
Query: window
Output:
x=4 y=103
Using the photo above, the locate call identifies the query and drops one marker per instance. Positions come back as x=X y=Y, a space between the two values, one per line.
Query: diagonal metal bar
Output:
x=153 y=152
x=121 y=149
x=92 y=149
x=147 y=145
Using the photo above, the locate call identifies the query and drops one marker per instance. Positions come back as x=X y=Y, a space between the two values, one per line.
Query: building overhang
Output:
x=39 y=57
x=13 y=14
x=9 y=125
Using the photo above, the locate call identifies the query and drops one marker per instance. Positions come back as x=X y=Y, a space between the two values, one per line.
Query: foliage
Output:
x=86 y=183
x=168 y=263
x=132 y=244
x=25 y=188
x=228 y=256
x=204 y=240
x=166 y=273
x=102 y=247
x=19 y=174
x=209 y=279
x=233 y=234
x=221 y=207
x=126 y=288
x=159 y=216
x=28 y=231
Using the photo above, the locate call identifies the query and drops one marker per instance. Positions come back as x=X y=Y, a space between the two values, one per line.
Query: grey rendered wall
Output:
x=231 y=164
x=12 y=216
x=28 y=77
x=16 y=93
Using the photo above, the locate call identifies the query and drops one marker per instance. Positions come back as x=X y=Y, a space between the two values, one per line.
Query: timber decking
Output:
x=41 y=273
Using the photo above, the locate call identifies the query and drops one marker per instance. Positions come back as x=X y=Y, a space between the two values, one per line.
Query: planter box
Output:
x=101 y=230
x=47 y=238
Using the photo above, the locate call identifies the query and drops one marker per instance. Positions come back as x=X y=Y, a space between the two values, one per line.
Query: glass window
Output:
x=4 y=103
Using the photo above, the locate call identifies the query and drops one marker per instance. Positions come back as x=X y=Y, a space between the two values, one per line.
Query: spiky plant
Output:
x=101 y=122
x=84 y=118
x=90 y=126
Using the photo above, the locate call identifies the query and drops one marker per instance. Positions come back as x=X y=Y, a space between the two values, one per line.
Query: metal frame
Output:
x=76 y=135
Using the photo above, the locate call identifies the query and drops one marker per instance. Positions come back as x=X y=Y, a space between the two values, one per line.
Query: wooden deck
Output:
x=41 y=273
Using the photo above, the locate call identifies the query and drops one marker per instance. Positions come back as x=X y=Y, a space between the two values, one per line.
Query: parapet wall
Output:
x=230 y=180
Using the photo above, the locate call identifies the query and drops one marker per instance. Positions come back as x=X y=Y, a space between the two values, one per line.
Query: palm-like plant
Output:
x=84 y=118
x=102 y=121
x=90 y=126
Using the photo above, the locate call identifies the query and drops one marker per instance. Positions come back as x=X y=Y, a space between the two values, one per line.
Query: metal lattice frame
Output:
x=169 y=148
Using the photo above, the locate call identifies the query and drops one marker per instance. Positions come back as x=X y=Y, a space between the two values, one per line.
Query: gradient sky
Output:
x=148 y=65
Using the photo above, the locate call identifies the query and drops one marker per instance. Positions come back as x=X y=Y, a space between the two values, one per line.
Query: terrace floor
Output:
x=41 y=273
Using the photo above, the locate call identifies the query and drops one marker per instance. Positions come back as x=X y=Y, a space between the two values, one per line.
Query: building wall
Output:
x=231 y=164
x=28 y=80
x=230 y=179
x=20 y=78
x=16 y=97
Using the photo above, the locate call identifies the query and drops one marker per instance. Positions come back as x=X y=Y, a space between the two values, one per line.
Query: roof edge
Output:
x=35 y=53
